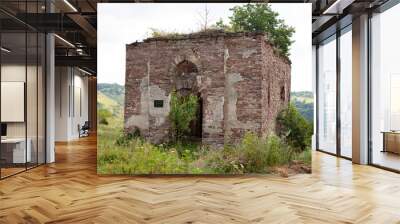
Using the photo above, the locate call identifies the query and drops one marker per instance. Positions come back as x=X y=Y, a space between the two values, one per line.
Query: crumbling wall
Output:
x=242 y=86
x=238 y=77
x=275 y=86
x=150 y=76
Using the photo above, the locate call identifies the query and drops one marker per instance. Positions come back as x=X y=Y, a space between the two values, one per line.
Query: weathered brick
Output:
x=243 y=84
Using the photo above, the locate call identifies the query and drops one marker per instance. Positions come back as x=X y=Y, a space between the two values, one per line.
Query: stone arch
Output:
x=185 y=75
x=186 y=67
x=193 y=58
x=186 y=72
x=187 y=56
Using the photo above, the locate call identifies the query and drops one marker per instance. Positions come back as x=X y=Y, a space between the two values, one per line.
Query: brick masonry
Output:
x=243 y=84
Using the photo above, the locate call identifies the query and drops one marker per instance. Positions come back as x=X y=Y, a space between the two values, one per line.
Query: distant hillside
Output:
x=111 y=98
x=304 y=101
x=114 y=91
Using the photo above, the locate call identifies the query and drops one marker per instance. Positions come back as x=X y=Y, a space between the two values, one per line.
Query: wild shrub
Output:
x=252 y=155
x=294 y=128
x=225 y=161
x=304 y=156
x=259 y=154
x=183 y=110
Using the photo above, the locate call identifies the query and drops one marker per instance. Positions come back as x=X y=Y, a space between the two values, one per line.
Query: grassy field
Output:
x=119 y=154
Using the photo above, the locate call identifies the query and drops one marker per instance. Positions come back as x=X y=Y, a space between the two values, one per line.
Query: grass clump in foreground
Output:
x=252 y=155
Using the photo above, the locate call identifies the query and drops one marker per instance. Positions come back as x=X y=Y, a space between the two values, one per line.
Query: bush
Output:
x=224 y=161
x=183 y=111
x=305 y=156
x=259 y=154
x=294 y=128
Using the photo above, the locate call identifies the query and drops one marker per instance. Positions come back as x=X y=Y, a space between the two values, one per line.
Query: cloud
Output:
x=121 y=24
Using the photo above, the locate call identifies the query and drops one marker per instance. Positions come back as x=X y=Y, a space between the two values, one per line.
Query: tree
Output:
x=261 y=18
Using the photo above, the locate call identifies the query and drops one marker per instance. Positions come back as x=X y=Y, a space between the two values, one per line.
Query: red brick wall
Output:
x=243 y=62
x=234 y=72
x=276 y=74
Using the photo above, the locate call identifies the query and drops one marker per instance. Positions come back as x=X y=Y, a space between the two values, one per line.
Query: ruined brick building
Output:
x=241 y=81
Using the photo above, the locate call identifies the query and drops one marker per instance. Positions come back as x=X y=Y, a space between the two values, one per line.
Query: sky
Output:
x=121 y=24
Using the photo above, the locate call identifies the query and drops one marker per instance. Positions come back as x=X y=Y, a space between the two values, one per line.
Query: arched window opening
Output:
x=186 y=67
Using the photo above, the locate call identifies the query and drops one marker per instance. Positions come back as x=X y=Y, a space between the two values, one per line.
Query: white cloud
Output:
x=121 y=24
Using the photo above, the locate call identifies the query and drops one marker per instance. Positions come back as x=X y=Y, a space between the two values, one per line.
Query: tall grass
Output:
x=136 y=156
x=253 y=155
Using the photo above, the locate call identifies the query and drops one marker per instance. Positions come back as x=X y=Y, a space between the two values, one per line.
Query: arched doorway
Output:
x=185 y=84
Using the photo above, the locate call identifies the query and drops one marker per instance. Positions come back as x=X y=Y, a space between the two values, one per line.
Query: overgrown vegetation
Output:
x=183 y=110
x=103 y=115
x=304 y=102
x=110 y=100
x=252 y=155
x=260 y=17
x=156 y=33
x=128 y=153
x=251 y=17
x=294 y=128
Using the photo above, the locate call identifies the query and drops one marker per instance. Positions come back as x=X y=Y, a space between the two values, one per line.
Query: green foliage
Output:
x=185 y=148
x=183 y=110
x=306 y=95
x=294 y=128
x=110 y=97
x=124 y=139
x=120 y=153
x=224 y=161
x=104 y=115
x=139 y=157
x=220 y=25
x=252 y=155
x=260 y=17
x=304 y=102
x=260 y=153
x=305 y=109
x=305 y=156
x=114 y=91
x=157 y=33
